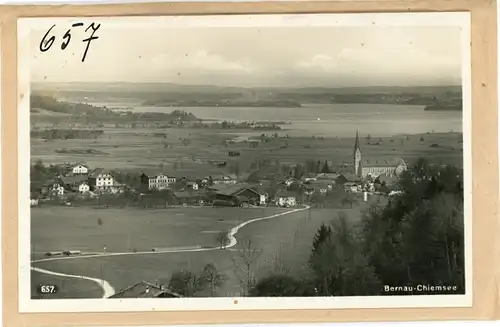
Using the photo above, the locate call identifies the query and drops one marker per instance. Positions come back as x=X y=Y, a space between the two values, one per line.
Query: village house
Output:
x=192 y=186
x=319 y=186
x=190 y=198
x=84 y=188
x=286 y=199
x=332 y=177
x=145 y=290
x=57 y=190
x=159 y=182
x=76 y=183
x=387 y=180
x=352 y=187
x=241 y=193
x=100 y=179
x=80 y=169
x=349 y=178
x=373 y=168
x=222 y=179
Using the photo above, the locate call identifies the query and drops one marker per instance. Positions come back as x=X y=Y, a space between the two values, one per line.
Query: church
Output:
x=365 y=167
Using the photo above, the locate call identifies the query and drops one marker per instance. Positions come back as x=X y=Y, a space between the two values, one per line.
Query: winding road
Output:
x=109 y=290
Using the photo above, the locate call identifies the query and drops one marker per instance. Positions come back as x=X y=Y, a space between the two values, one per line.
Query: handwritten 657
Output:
x=48 y=39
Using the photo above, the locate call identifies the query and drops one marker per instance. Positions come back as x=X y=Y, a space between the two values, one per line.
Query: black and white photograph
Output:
x=199 y=162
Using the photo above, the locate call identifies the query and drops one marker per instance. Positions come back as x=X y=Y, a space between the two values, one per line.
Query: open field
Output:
x=58 y=228
x=288 y=238
x=138 y=149
x=68 y=288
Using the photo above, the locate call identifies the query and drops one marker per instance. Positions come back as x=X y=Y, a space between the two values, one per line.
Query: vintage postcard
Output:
x=273 y=162
x=245 y=162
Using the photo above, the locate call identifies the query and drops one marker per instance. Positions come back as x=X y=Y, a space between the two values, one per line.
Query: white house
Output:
x=84 y=187
x=57 y=189
x=101 y=179
x=193 y=185
x=80 y=169
x=160 y=182
x=227 y=180
x=286 y=200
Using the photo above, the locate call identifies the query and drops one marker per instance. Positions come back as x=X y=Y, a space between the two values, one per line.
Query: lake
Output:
x=328 y=119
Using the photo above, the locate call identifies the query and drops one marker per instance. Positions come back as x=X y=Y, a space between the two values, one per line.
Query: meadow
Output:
x=140 y=149
x=126 y=230
x=283 y=244
x=67 y=288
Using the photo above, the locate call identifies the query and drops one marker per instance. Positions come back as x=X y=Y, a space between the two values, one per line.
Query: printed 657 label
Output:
x=47 y=289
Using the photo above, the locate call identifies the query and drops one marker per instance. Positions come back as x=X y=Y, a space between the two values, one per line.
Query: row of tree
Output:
x=67 y=134
x=416 y=239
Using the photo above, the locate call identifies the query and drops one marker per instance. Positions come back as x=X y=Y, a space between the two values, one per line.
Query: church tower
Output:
x=357 y=156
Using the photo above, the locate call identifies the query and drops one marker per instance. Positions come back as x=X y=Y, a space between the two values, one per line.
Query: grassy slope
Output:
x=288 y=237
x=124 y=230
x=68 y=288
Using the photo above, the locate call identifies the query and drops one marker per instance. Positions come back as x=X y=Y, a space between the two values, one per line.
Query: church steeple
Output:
x=357 y=156
x=356 y=143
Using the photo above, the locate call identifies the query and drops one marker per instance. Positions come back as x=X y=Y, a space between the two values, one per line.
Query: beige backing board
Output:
x=484 y=167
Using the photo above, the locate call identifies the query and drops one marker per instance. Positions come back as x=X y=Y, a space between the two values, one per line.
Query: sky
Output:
x=277 y=55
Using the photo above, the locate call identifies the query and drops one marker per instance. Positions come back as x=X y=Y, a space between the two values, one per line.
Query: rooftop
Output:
x=393 y=162
x=327 y=176
x=286 y=194
x=350 y=177
x=233 y=189
x=387 y=179
x=74 y=179
x=98 y=171
x=145 y=290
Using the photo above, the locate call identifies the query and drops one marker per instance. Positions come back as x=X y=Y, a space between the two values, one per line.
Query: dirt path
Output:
x=108 y=290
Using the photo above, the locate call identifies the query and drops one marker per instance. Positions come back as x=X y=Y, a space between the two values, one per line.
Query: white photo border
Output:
x=28 y=305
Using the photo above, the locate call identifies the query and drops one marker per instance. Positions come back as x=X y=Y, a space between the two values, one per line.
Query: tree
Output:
x=244 y=264
x=186 y=283
x=254 y=177
x=222 y=239
x=212 y=278
x=322 y=235
x=325 y=169
x=418 y=236
x=339 y=266
x=281 y=285
x=298 y=171
x=234 y=168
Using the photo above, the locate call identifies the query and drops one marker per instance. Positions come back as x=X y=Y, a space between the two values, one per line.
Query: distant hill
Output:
x=204 y=95
x=170 y=87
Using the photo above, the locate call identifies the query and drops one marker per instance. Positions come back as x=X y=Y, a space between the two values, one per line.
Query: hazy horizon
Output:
x=277 y=56
x=249 y=87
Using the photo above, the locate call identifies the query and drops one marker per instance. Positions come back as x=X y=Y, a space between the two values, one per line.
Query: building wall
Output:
x=80 y=170
x=83 y=188
x=225 y=181
x=161 y=182
x=104 y=180
x=287 y=202
x=377 y=171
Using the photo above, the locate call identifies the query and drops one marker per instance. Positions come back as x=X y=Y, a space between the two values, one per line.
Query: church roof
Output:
x=386 y=162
